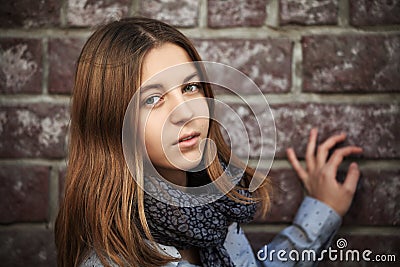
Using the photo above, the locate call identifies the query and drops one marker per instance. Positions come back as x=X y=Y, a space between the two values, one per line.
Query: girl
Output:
x=106 y=218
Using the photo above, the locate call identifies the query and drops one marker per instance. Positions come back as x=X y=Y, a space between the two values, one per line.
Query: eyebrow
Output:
x=188 y=78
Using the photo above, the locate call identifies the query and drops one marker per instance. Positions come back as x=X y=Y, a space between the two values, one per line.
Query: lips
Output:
x=186 y=138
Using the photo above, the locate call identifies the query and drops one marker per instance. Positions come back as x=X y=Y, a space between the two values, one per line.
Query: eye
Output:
x=192 y=87
x=152 y=100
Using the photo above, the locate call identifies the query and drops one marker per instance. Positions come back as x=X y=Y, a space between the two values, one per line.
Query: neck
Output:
x=177 y=177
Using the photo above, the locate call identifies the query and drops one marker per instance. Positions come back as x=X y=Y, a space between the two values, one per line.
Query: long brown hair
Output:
x=102 y=209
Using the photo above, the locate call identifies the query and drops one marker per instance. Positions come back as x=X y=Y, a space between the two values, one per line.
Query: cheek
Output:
x=204 y=113
x=205 y=125
x=150 y=136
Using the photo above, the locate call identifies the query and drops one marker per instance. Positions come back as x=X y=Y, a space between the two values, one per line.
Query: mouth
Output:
x=188 y=140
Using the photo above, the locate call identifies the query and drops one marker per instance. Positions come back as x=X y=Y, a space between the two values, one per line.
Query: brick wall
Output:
x=334 y=64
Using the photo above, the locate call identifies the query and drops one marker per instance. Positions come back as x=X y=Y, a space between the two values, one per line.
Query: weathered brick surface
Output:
x=259 y=239
x=308 y=12
x=266 y=62
x=30 y=14
x=33 y=130
x=90 y=13
x=63 y=56
x=342 y=61
x=20 y=66
x=351 y=63
x=378 y=244
x=24 y=193
x=374 y=12
x=377 y=200
x=178 y=13
x=61 y=183
x=374 y=127
x=27 y=247
x=286 y=197
x=377 y=193
x=236 y=13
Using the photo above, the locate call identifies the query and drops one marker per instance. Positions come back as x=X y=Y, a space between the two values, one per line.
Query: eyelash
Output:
x=197 y=85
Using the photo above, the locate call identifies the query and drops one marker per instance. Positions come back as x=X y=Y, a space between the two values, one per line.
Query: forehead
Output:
x=161 y=58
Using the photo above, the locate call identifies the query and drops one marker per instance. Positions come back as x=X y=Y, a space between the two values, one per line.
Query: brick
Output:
x=63 y=56
x=177 y=13
x=236 y=13
x=378 y=244
x=61 y=183
x=374 y=127
x=308 y=12
x=25 y=193
x=287 y=196
x=377 y=200
x=20 y=66
x=266 y=62
x=374 y=12
x=81 y=13
x=351 y=63
x=27 y=247
x=257 y=240
x=33 y=130
x=30 y=14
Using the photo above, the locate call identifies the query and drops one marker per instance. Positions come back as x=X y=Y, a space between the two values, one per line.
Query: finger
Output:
x=310 y=158
x=296 y=164
x=323 y=149
x=339 y=154
x=352 y=177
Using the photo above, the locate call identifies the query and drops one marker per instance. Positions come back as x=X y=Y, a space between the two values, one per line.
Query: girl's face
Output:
x=174 y=115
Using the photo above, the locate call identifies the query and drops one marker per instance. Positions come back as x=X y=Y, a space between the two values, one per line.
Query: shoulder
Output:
x=92 y=261
x=236 y=244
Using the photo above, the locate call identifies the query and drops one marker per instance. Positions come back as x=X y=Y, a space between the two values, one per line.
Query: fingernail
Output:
x=353 y=165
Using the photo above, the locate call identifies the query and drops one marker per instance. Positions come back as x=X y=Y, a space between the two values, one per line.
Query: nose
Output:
x=181 y=111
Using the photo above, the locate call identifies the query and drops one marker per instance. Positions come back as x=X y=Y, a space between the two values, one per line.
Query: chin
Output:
x=188 y=163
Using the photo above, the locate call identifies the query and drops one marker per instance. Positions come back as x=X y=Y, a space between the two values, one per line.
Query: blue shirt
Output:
x=313 y=228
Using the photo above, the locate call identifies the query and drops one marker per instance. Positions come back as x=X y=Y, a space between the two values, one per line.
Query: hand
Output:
x=320 y=177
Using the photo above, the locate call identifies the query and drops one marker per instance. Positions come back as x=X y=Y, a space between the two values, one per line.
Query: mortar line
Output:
x=63 y=13
x=45 y=65
x=301 y=97
x=364 y=164
x=134 y=8
x=297 y=68
x=272 y=11
x=53 y=194
x=355 y=230
x=203 y=15
x=291 y=32
x=343 y=13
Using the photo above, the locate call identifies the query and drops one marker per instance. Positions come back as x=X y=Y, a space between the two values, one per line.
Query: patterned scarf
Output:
x=204 y=227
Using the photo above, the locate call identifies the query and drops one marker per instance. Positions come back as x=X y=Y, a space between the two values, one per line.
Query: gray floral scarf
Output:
x=204 y=227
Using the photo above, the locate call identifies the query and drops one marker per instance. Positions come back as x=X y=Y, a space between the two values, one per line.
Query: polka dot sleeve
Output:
x=313 y=229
